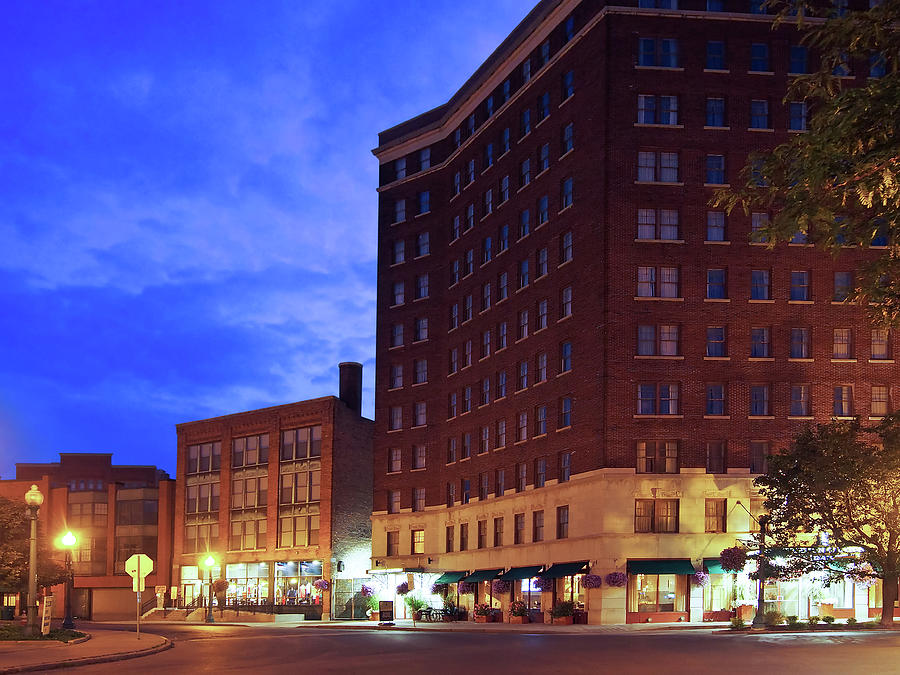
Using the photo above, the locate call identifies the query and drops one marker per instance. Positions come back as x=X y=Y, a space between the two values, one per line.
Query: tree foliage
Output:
x=15 y=529
x=832 y=481
x=838 y=184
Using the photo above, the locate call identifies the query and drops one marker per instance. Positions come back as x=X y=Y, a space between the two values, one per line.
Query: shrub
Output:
x=793 y=621
x=828 y=619
x=518 y=608
x=738 y=624
x=482 y=609
x=773 y=618
x=564 y=608
x=372 y=602
x=813 y=621
x=415 y=604
x=851 y=621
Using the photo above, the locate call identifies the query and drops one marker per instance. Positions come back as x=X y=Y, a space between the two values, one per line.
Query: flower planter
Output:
x=563 y=620
x=373 y=616
x=519 y=619
x=482 y=619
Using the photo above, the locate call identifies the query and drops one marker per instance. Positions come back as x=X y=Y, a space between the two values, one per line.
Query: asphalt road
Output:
x=257 y=650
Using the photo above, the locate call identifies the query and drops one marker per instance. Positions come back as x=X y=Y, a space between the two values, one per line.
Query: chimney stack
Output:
x=351 y=385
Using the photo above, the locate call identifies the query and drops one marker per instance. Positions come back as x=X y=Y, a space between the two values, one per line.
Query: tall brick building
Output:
x=280 y=497
x=579 y=361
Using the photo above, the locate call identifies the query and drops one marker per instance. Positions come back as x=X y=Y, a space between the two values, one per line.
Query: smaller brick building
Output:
x=281 y=498
x=113 y=511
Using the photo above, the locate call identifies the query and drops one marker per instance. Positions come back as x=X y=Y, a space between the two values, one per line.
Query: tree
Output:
x=15 y=530
x=831 y=481
x=838 y=184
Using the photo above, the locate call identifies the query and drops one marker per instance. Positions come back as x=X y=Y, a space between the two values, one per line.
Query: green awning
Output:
x=482 y=575
x=449 y=577
x=519 y=573
x=713 y=566
x=660 y=567
x=418 y=570
x=561 y=570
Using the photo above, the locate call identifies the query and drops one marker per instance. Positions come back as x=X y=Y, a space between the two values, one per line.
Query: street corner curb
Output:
x=89 y=660
x=78 y=641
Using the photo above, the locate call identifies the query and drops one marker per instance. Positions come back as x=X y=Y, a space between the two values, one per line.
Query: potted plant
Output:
x=518 y=612
x=563 y=613
x=368 y=593
x=483 y=612
x=415 y=605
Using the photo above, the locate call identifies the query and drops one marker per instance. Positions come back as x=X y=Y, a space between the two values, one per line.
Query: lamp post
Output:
x=33 y=500
x=761 y=565
x=209 y=562
x=68 y=541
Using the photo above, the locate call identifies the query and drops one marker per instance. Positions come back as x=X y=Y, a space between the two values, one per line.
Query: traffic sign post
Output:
x=138 y=566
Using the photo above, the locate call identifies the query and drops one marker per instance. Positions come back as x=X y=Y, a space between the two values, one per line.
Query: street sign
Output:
x=138 y=566
x=47 y=613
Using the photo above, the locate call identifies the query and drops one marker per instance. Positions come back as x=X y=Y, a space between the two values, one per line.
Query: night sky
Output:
x=188 y=205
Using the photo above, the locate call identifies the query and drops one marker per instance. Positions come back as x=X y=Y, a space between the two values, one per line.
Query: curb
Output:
x=494 y=631
x=89 y=660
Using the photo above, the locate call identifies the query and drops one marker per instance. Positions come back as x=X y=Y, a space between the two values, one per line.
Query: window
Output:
x=501 y=434
x=451 y=453
x=246 y=493
x=421 y=286
x=541 y=266
x=758 y=224
x=540 y=472
x=716 y=284
x=715 y=55
x=488 y=202
x=797 y=121
x=880 y=404
x=501 y=384
x=657 y=456
x=500 y=482
x=454 y=360
x=466 y=492
x=562 y=522
x=420 y=416
x=397 y=335
x=420 y=330
x=800 y=343
x=759 y=285
x=715 y=169
x=485 y=441
x=463 y=536
x=519 y=528
x=486 y=391
x=525 y=122
x=880 y=344
x=716 y=346
x=250 y=451
x=504 y=189
x=653 y=109
x=469 y=266
x=537 y=526
x=418 y=457
x=661 y=340
x=843 y=343
x=715 y=112
x=800 y=286
x=799 y=60
x=424 y=159
x=470 y=217
x=568 y=138
x=716 y=454
x=658 y=52
x=543 y=210
x=715 y=515
x=396 y=376
x=543 y=310
x=498 y=531
x=424 y=202
x=566 y=247
x=399 y=210
x=524 y=277
x=565 y=467
x=759 y=400
x=399 y=293
x=759 y=57
x=417 y=542
x=523 y=325
x=486 y=300
x=540 y=420
x=568 y=194
x=521 y=476
x=565 y=305
x=502 y=286
x=400 y=168
x=418 y=501
x=715 y=226
x=449 y=535
x=568 y=85
x=659 y=399
x=467 y=399
x=760 y=346
x=666 y=287
x=759 y=114
x=843 y=281
x=759 y=455
x=484 y=486
x=399 y=254
x=800 y=400
x=488 y=155
x=457 y=186
x=543 y=106
x=396 y=421
x=569 y=27
x=715 y=399
x=565 y=357
x=657 y=167
x=565 y=412
x=394 y=465
x=843 y=401
x=522 y=427
x=656 y=515
x=657 y=224
x=505 y=141
x=545 y=52
x=877 y=66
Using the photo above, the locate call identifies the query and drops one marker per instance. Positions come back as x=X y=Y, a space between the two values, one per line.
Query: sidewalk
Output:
x=104 y=645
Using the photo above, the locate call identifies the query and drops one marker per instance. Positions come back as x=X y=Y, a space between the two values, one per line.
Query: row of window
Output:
x=658 y=52
x=300 y=486
x=665 y=340
x=657 y=399
x=248 y=535
x=664 y=281
x=663 y=110
x=838 y=7
x=463 y=267
x=250 y=451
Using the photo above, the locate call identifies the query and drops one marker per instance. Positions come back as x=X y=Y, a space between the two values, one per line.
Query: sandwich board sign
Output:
x=138 y=567
x=46 y=614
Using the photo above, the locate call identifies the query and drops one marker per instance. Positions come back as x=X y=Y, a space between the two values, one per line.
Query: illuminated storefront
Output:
x=658 y=590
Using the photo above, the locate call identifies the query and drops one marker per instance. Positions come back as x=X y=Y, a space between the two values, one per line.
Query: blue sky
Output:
x=187 y=203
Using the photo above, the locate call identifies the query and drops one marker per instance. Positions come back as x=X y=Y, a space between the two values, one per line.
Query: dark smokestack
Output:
x=351 y=385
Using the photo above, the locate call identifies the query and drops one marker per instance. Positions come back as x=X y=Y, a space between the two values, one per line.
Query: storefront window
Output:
x=717 y=595
x=573 y=591
x=657 y=592
x=248 y=583
x=531 y=594
x=294 y=583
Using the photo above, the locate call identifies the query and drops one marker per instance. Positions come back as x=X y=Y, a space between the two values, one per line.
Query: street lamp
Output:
x=762 y=562
x=68 y=541
x=209 y=562
x=33 y=501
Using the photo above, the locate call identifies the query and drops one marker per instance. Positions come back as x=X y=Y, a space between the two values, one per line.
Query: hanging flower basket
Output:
x=321 y=584
x=466 y=587
x=543 y=584
x=592 y=581
x=700 y=579
x=501 y=586
x=438 y=589
x=733 y=559
x=220 y=585
x=366 y=591
x=403 y=589
x=617 y=579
